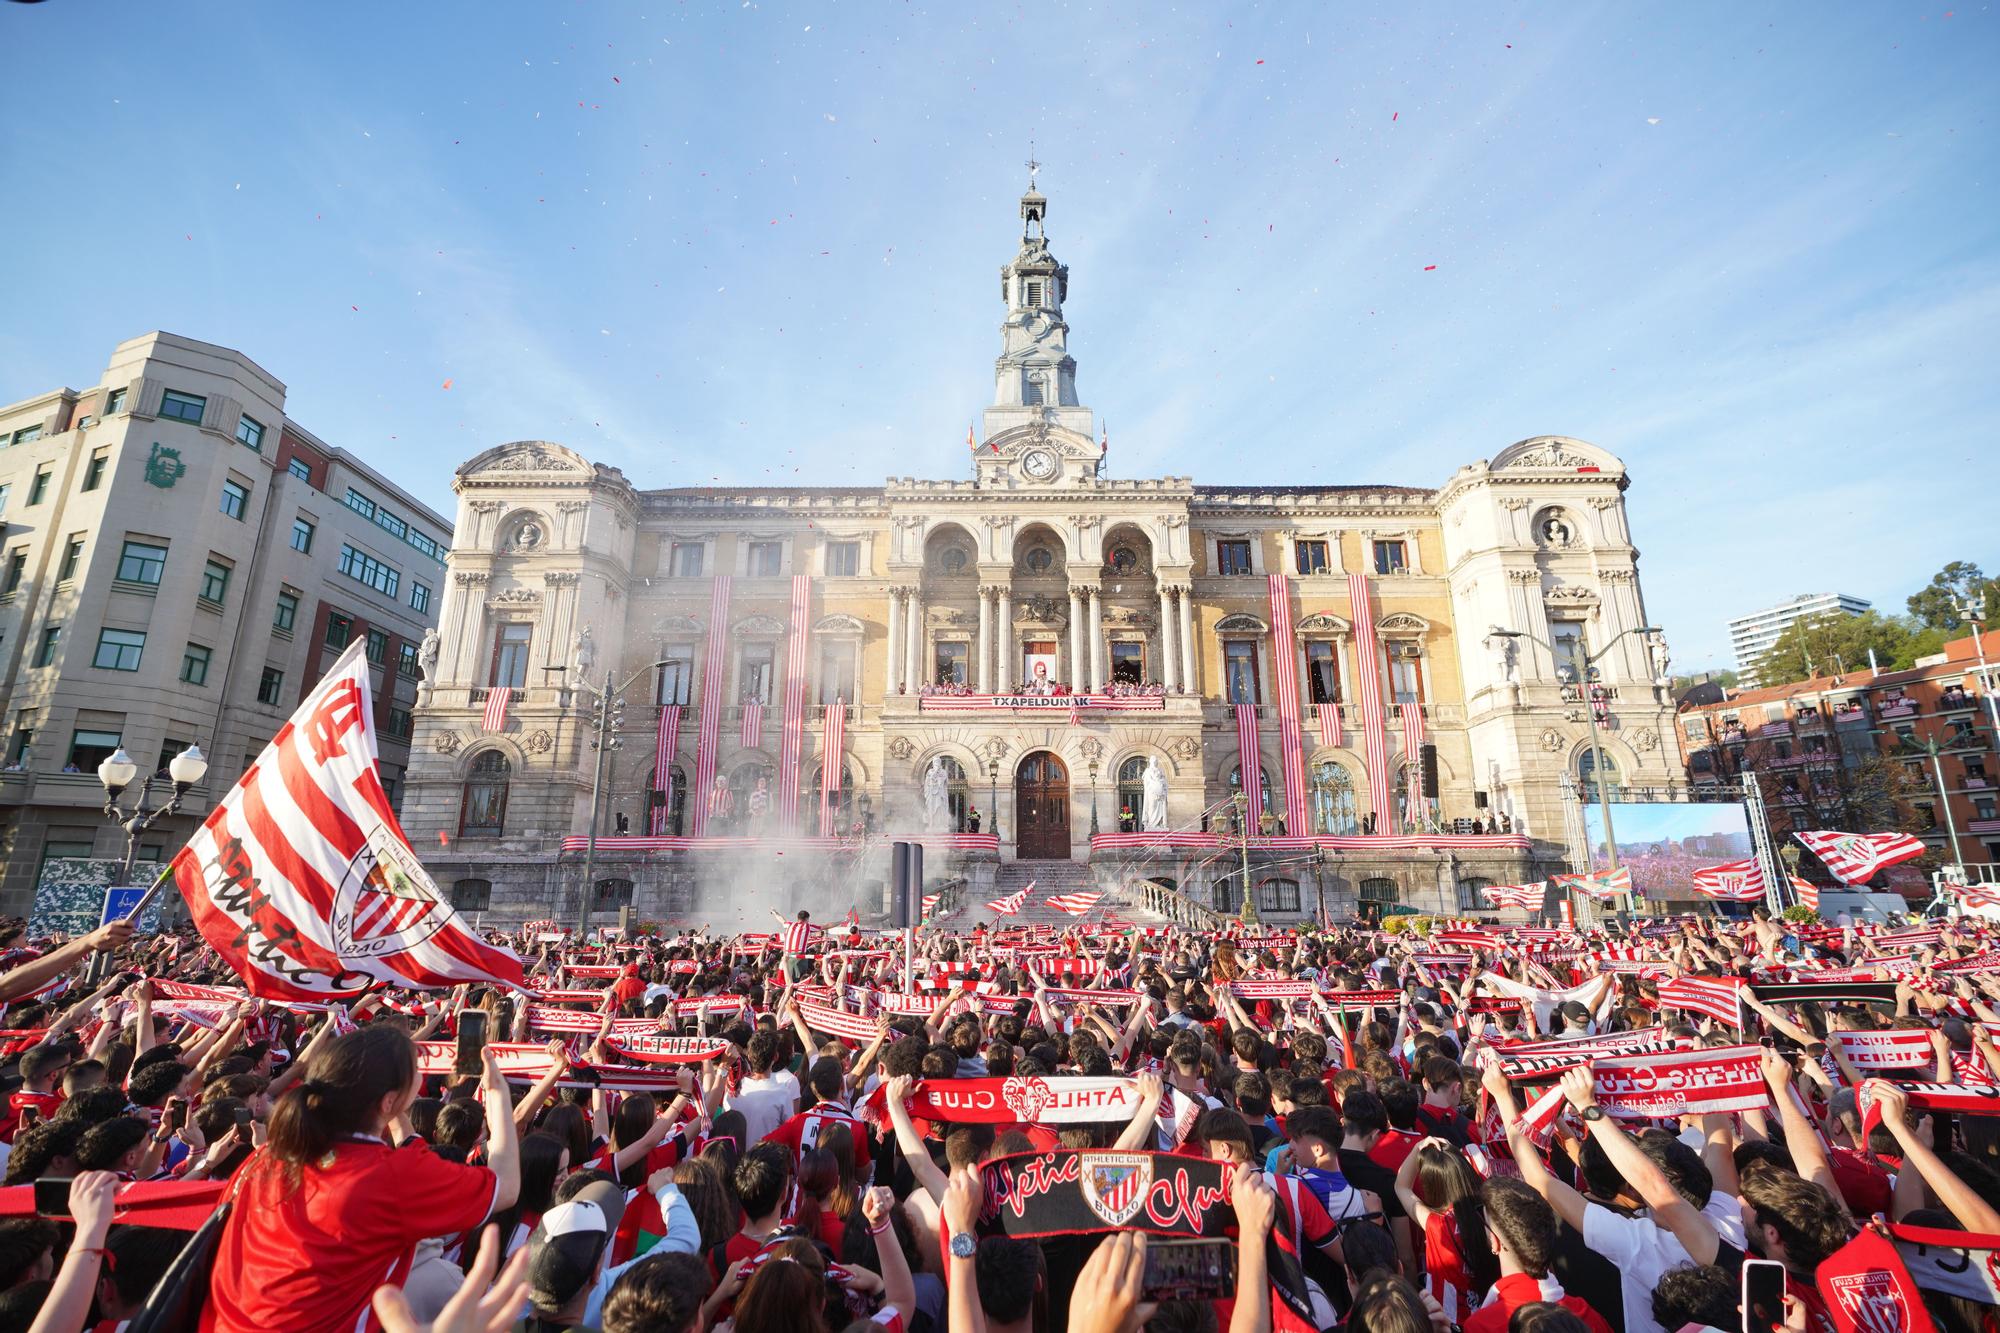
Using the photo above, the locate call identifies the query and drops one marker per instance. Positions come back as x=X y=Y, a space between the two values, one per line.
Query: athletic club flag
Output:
x=302 y=879
x=1513 y=895
x=496 y=708
x=1074 y=904
x=1599 y=883
x=1329 y=725
x=1011 y=904
x=752 y=734
x=1731 y=882
x=1855 y=857
x=1808 y=892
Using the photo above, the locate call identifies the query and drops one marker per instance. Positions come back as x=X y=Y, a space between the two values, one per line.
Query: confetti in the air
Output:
x=447 y=384
x=1430 y=268
x=1652 y=120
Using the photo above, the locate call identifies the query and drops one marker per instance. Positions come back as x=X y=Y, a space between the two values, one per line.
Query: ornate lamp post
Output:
x=1249 y=909
x=993 y=793
x=1093 y=798
x=607 y=707
x=184 y=770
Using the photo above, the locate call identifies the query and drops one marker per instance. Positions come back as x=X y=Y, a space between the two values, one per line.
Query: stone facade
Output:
x=1037 y=564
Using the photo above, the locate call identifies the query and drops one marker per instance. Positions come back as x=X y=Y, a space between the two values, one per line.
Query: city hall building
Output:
x=1041 y=669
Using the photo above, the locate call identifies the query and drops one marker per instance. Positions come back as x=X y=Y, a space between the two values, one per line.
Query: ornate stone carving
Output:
x=1554 y=741
x=1645 y=739
x=1124 y=617
x=572 y=506
x=996 y=749
x=531 y=460
x=1091 y=748
x=997 y=522
x=446 y=742
x=1319 y=622
x=1616 y=576
x=1174 y=521
x=1524 y=576
x=1184 y=748
x=1572 y=592
x=838 y=624
x=1085 y=522
x=760 y=627
x=469 y=579
x=1041 y=610
x=515 y=597
x=561 y=578
x=1555 y=531
x=483 y=506
x=539 y=741
x=910 y=520
x=1402 y=622
x=667 y=625
x=900 y=747
x=1516 y=503
x=1603 y=502
x=1240 y=623
x=1550 y=455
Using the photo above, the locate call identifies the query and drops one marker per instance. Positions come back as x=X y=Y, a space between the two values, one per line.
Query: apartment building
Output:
x=1751 y=636
x=179 y=563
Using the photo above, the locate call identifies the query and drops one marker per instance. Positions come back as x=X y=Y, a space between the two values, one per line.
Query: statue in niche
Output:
x=1556 y=531
x=1153 y=814
x=937 y=798
x=582 y=656
x=1502 y=649
x=427 y=659
x=1663 y=662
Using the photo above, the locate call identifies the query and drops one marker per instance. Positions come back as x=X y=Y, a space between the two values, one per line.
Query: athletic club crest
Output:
x=1115 y=1183
x=1871 y=1301
x=386 y=903
x=1027 y=1098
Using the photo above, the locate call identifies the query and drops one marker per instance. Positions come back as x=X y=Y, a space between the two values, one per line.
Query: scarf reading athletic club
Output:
x=1543 y=1059
x=1034 y=1196
x=1817 y=991
x=1867 y=1289
x=525 y=1062
x=1010 y=1101
x=1954 y=1263
x=1889 y=1049
x=1271 y=990
x=1344 y=1001
x=1654 y=1086
x=659 y=1049
x=1954 y=1098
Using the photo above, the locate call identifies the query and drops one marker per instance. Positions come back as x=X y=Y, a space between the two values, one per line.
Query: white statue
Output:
x=1502 y=648
x=937 y=798
x=1663 y=662
x=427 y=658
x=1153 y=816
x=582 y=655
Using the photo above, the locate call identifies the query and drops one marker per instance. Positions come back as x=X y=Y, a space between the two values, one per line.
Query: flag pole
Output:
x=146 y=899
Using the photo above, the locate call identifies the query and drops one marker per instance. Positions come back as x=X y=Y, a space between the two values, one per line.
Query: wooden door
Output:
x=1041 y=808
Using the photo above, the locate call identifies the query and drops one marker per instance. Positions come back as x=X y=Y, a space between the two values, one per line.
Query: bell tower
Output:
x=1034 y=379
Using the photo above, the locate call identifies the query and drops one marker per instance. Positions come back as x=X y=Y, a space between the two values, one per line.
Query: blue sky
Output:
x=1750 y=249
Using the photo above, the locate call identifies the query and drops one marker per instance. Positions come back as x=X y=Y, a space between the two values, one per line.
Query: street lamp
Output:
x=993 y=794
x=1093 y=798
x=1929 y=746
x=1975 y=616
x=607 y=711
x=116 y=772
x=1249 y=909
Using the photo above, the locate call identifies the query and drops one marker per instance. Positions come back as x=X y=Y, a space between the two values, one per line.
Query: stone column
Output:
x=913 y=629
x=894 y=652
x=1190 y=681
x=982 y=647
x=1003 y=641
x=1097 y=640
x=1078 y=664
x=1169 y=661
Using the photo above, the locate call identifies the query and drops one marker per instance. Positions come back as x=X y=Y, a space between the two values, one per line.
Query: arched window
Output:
x=840 y=815
x=1416 y=815
x=958 y=793
x=483 y=811
x=1132 y=795
x=1586 y=774
x=1226 y=894
x=614 y=893
x=670 y=801
x=754 y=808
x=1278 y=895
x=471 y=895
x=1377 y=890
x=1333 y=807
x=1263 y=802
x=1470 y=899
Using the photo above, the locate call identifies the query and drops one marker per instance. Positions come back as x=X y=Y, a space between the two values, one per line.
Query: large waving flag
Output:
x=1855 y=857
x=1011 y=905
x=1599 y=883
x=1732 y=881
x=301 y=877
x=1513 y=895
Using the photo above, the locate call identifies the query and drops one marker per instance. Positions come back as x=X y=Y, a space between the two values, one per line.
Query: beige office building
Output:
x=179 y=564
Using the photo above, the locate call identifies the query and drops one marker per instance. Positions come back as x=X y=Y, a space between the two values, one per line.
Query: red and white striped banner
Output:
x=526 y=1062
x=495 y=717
x=1699 y=1082
x=665 y=739
x=1072 y=995
x=931 y=900
x=659 y=1049
x=301 y=878
x=1855 y=857
x=1074 y=904
x=1028 y=1101
x=1598 y=883
x=1251 y=762
x=1887 y=1049
x=1368 y=678
x=1291 y=742
x=1732 y=881
x=791 y=744
x=1527 y=896
x=1329 y=724
x=1286 y=989
x=751 y=735
x=1041 y=703
x=1012 y=903
x=1360 y=842
x=837 y=1022
x=547 y=1018
x=1807 y=892
x=1718 y=997
x=832 y=762
x=708 y=730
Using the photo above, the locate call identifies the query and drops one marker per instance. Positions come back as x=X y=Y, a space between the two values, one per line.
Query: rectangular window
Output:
x=378 y=647
x=250 y=433
x=360 y=503
x=168 y=749
x=194 y=665
x=1034 y=296
x=765 y=560
x=757 y=658
x=364 y=568
x=89 y=748
x=510 y=655
x=93 y=474
x=142 y=562
x=1571 y=653
x=836 y=673
x=399 y=722
x=114 y=402
x=1239 y=670
x=287 y=613
x=28 y=434
x=684 y=560
x=1322 y=672
x=1232 y=557
x=843 y=559
x=72 y=556
x=420 y=597
x=24 y=737
x=676 y=673
x=186 y=407
x=406 y=660
x=425 y=543
x=5 y=488
x=953 y=657
x=1391 y=558
x=214 y=581
x=297 y=467
x=119 y=649
x=39 y=488
x=235 y=499
x=1311 y=557
x=302 y=535
x=1406 y=674
x=45 y=652
x=1128 y=662
x=388 y=522
x=17 y=565
x=339 y=630
x=271 y=686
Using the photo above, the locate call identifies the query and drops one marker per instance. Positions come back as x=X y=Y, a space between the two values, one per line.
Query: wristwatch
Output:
x=1592 y=1112
x=963 y=1246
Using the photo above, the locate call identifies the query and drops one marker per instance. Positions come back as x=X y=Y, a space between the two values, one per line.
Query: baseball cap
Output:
x=568 y=1244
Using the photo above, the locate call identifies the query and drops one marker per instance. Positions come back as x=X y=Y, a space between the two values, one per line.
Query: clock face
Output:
x=1039 y=463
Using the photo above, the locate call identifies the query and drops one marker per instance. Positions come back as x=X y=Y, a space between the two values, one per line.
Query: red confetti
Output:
x=1260 y=62
x=1393 y=115
x=443 y=841
x=1428 y=268
x=354 y=307
x=447 y=384
x=614 y=78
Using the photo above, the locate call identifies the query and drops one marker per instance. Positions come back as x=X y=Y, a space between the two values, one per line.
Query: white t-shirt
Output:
x=1644 y=1252
x=765 y=1103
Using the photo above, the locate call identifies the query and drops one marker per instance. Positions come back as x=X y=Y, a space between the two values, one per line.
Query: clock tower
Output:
x=1037 y=434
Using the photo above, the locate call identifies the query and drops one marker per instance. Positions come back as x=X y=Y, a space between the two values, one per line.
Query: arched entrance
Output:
x=1041 y=808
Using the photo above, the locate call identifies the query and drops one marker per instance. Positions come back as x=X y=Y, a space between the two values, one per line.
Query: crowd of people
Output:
x=1499 y=1130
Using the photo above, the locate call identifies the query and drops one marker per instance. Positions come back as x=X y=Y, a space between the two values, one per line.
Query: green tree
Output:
x=1834 y=645
x=1958 y=584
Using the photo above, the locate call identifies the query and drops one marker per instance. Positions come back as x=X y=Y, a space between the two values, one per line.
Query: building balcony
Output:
x=1983 y=826
x=1774 y=729
x=1851 y=718
x=1809 y=719
x=1960 y=702
x=1901 y=708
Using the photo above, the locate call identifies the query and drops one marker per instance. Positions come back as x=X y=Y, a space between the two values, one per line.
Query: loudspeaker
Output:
x=1479 y=800
x=1429 y=757
x=906 y=884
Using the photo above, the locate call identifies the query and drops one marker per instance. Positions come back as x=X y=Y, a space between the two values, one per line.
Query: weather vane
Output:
x=1033 y=166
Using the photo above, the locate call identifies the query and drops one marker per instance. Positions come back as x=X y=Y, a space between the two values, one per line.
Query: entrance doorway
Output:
x=1041 y=809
